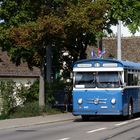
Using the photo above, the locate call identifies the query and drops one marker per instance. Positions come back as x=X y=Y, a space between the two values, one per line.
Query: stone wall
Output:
x=130 y=48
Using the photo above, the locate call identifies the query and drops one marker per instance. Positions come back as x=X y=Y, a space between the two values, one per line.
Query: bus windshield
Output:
x=98 y=79
x=85 y=78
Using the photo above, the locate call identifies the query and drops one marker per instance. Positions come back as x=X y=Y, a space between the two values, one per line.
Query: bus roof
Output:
x=125 y=64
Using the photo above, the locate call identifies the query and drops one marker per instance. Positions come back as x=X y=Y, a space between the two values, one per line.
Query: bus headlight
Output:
x=80 y=101
x=113 y=101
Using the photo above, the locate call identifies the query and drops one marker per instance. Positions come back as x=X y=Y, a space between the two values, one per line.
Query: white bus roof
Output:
x=106 y=63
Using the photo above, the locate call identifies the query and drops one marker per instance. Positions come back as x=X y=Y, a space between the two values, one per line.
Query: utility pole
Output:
x=45 y=75
x=119 y=53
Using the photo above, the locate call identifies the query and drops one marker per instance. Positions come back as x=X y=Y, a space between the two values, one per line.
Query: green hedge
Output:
x=28 y=97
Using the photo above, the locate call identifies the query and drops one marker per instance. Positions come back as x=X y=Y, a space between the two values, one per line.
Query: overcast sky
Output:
x=124 y=31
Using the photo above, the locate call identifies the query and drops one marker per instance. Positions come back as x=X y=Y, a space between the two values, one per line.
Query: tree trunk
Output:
x=48 y=64
x=45 y=75
x=42 y=90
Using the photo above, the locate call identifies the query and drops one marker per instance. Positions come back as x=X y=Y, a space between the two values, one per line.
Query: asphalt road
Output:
x=96 y=129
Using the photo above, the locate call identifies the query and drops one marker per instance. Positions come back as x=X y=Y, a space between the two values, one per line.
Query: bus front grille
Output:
x=97 y=101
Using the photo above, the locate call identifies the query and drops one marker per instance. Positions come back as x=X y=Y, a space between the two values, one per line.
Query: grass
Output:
x=30 y=110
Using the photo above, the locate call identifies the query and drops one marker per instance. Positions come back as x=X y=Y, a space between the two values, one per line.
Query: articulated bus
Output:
x=106 y=87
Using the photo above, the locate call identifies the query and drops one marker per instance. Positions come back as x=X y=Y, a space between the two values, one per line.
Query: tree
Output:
x=84 y=22
x=26 y=32
x=29 y=27
x=127 y=11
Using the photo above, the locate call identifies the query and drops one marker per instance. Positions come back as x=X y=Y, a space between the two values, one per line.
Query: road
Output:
x=96 y=129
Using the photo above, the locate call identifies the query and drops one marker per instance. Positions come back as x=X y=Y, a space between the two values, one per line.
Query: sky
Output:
x=124 y=31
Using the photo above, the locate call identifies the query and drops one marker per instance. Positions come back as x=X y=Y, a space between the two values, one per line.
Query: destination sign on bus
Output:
x=84 y=65
x=110 y=65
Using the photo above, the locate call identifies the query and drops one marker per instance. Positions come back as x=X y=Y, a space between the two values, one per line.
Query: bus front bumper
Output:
x=99 y=112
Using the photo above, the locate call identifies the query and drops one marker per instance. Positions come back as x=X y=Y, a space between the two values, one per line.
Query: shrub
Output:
x=26 y=110
x=21 y=101
x=28 y=94
x=7 y=93
x=18 y=100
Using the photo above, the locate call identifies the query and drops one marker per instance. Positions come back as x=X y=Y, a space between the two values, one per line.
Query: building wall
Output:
x=20 y=80
x=130 y=48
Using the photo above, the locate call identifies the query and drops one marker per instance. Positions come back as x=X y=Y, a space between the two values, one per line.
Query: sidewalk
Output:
x=22 y=122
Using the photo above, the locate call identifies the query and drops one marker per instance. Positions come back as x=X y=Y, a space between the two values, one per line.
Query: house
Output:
x=19 y=74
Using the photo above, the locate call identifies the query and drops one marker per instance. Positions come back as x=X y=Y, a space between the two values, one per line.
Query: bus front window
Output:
x=98 y=79
x=108 y=80
x=86 y=79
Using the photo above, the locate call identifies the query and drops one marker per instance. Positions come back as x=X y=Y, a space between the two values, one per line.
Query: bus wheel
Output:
x=85 y=117
x=130 y=110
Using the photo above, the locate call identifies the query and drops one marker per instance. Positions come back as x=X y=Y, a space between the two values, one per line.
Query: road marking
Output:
x=64 y=139
x=130 y=121
x=137 y=119
x=92 y=131
x=119 y=124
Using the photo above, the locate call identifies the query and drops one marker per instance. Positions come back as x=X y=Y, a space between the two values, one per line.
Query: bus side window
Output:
x=130 y=79
x=135 y=79
x=139 y=78
x=126 y=77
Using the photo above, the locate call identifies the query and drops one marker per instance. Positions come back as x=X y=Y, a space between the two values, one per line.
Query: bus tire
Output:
x=130 y=110
x=85 y=117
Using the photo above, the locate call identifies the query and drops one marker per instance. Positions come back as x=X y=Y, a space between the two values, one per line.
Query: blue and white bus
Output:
x=106 y=87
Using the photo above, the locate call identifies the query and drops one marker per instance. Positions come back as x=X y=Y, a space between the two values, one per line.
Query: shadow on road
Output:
x=106 y=118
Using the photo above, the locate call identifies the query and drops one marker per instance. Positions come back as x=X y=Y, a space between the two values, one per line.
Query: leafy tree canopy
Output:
x=128 y=11
x=68 y=25
x=17 y=12
x=27 y=27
